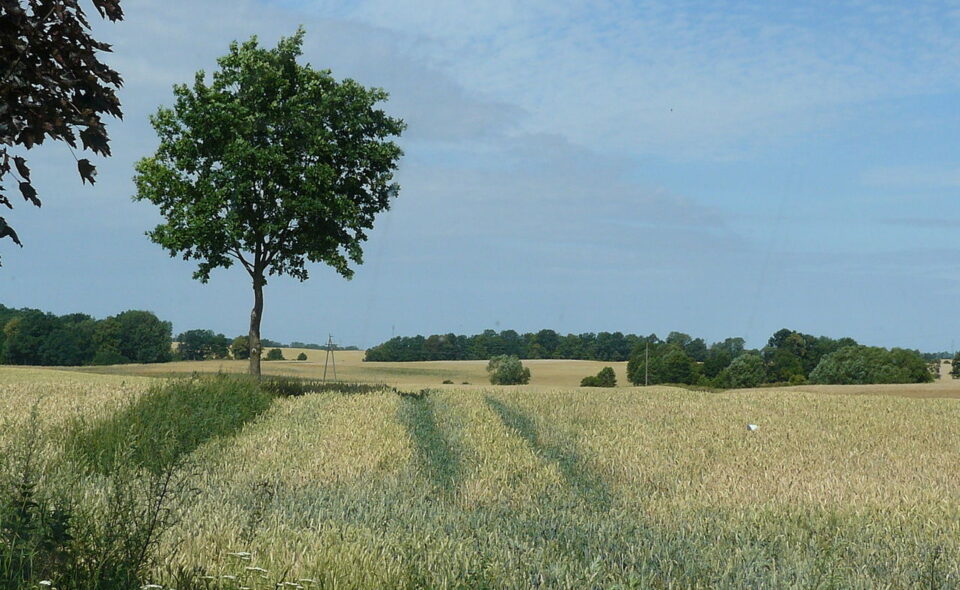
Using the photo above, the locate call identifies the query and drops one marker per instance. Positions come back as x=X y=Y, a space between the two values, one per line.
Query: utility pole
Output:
x=646 y=364
x=330 y=358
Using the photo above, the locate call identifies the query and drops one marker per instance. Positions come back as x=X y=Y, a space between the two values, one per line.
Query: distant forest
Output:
x=788 y=357
x=33 y=337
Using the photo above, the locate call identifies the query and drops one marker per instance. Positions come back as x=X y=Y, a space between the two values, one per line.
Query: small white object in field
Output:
x=752 y=427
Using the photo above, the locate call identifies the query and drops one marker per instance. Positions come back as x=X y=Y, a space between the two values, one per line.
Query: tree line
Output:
x=545 y=344
x=788 y=357
x=33 y=337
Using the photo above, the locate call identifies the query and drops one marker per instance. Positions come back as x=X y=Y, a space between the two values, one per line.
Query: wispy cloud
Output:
x=682 y=79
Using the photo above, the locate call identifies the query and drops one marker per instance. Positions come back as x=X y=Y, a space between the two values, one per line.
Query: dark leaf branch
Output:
x=52 y=85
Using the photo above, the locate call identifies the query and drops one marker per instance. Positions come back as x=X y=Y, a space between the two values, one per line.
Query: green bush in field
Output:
x=275 y=354
x=168 y=422
x=605 y=378
x=507 y=370
x=302 y=356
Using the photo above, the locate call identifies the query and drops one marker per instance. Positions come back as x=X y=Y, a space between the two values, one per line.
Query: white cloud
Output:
x=682 y=79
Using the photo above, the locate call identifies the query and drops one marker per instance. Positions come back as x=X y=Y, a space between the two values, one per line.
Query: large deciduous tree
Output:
x=272 y=165
x=52 y=85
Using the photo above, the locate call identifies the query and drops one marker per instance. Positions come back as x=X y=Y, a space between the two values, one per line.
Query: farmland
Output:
x=550 y=486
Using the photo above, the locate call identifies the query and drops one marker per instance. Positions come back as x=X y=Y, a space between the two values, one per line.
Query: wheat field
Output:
x=350 y=367
x=557 y=487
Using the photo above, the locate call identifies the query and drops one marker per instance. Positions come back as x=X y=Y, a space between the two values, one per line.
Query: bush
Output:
x=275 y=354
x=302 y=356
x=605 y=378
x=507 y=370
x=168 y=422
x=447 y=382
x=295 y=387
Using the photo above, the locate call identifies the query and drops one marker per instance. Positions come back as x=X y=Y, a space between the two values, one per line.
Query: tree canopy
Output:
x=52 y=86
x=272 y=165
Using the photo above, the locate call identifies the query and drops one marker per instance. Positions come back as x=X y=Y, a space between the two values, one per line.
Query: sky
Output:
x=715 y=168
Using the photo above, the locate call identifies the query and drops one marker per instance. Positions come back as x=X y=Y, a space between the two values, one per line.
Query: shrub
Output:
x=275 y=354
x=302 y=356
x=605 y=378
x=295 y=387
x=168 y=422
x=447 y=382
x=507 y=370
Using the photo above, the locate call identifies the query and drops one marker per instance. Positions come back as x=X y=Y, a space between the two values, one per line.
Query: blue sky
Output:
x=718 y=168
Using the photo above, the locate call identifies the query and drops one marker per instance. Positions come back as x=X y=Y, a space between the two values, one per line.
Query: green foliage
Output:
x=747 y=370
x=169 y=421
x=302 y=356
x=54 y=534
x=955 y=366
x=868 y=364
x=272 y=165
x=604 y=346
x=677 y=367
x=240 y=348
x=144 y=338
x=668 y=363
x=281 y=193
x=295 y=387
x=507 y=370
x=31 y=337
x=605 y=378
x=792 y=355
x=198 y=345
x=53 y=86
x=275 y=354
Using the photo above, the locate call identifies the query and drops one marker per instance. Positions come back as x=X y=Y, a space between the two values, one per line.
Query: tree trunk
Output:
x=255 y=315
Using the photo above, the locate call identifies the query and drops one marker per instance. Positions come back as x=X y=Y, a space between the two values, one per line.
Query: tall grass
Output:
x=169 y=422
x=88 y=506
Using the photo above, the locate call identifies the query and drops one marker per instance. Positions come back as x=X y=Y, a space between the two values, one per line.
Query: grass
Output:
x=520 y=487
x=168 y=422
